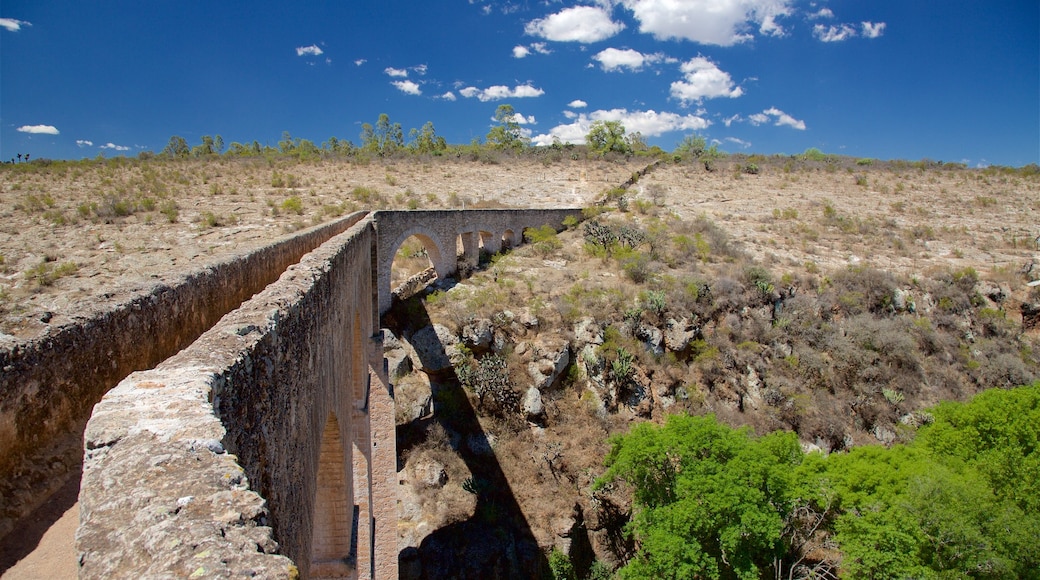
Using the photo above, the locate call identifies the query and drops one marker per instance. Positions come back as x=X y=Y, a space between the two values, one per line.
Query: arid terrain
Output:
x=72 y=234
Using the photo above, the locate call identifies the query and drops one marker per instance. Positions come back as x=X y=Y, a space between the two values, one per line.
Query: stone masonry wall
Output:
x=180 y=459
x=275 y=426
x=49 y=385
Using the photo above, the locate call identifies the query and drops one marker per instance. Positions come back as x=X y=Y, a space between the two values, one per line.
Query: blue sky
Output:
x=952 y=80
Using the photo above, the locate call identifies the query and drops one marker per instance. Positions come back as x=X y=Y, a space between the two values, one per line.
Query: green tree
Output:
x=709 y=501
x=606 y=137
x=507 y=134
x=959 y=501
x=691 y=146
x=177 y=147
x=204 y=149
x=426 y=140
x=383 y=139
x=218 y=145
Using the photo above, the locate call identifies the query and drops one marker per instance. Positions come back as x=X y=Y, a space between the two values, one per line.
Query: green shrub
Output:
x=45 y=274
x=293 y=204
x=560 y=566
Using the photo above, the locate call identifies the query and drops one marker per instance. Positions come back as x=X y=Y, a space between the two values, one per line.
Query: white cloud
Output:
x=407 y=87
x=448 y=96
x=39 y=129
x=12 y=24
x=577 y=104
x=498 y=92
x=578 y=24
x=521 y=51
x=833 y=33
x=395 y=72
x=648 y=123
x=360 y=62
x=873 y=29
x=114 y=147
x=703 y=80
x=718 y=22
x=821 y=13
x=419 y=69
x=613 y=59
x=730 y=120
x=84 y=143
x=311 y=50
x=740 y=142
x=781 y=119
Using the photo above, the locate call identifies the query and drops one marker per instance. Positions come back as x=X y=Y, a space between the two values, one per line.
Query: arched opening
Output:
x=509 y=240
x=413 y=265
x=490 y=244
x=332 y=554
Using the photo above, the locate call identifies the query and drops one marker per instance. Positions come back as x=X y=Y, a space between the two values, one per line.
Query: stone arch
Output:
x=509 y=239
x=332 y=548
x=489 y=241
x=429 y=243
x=443 y=261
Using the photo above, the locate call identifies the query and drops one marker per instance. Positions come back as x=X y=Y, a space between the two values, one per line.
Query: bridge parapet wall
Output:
x=48 y=385
x=180 y=459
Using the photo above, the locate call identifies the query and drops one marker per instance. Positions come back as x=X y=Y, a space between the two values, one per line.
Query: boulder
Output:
x=678 y=334
x=652 y=338
x=549 y=362
x=397 y=354
x=586 y=331
x=478 y=335
x=434 y=346
x=533 y=408
x=413 y=398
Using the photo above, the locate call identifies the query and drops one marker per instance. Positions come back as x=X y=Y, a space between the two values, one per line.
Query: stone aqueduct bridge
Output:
x=266 y=446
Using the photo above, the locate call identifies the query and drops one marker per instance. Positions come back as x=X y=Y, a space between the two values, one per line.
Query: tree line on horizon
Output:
x=386 y=139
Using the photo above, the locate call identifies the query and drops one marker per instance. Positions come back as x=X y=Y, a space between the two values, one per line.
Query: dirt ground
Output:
x=70 y=232
x=43 y=545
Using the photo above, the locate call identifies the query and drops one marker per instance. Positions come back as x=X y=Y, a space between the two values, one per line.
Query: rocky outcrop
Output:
x=435 y=345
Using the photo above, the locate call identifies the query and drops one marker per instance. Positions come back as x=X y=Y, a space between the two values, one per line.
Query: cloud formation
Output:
x=114 y=147
x=648 y=123
x=12 y=24
x=39 y=129
x=395 y=72
x=715 y=22
x=311 y=50
x=833 y=33
x=843 y=32
x=407 y=87
x=84 y=143
x=577 y=104
x=577 y=24
x=872 y=29
x=521 y=51
x=703 y=79
x=781 y=119
x=498 y=92
x=612 y=59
